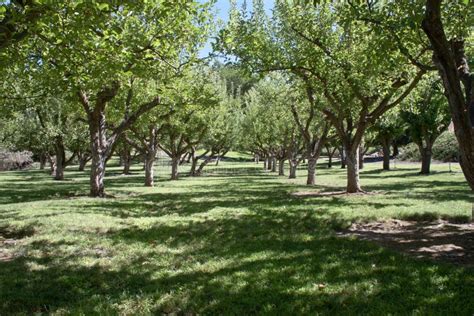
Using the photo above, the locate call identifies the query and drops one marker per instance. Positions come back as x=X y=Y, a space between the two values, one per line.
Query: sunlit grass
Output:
x=235 y=241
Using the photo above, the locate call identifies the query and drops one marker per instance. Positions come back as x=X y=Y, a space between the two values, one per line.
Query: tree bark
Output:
x=293 y=166
x=426 y=153
x=265 y=162
x=274 y=166
x=42 y=161
x=311 y=179
x=60 y=158
x=149 y=170
x=353 y=181
x=281 y=167
x=99 y=152
x=396 y=151
x=342 y=154
x=361 y=158
x=174 y=168
x=386 y=155
x=52 y=164
x=126 y=158
x=82 y=164
x=451 y=62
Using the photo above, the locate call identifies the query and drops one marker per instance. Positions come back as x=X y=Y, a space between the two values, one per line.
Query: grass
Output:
x=234 y=241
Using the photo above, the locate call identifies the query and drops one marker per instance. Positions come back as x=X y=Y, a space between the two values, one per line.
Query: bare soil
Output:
x=438 y=240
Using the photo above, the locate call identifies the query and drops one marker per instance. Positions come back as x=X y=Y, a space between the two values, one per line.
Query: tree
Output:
x=223 y=129
x=385 y=131
x=359 y=74
x=95 y=58
x=427 y=118
x=449 y=56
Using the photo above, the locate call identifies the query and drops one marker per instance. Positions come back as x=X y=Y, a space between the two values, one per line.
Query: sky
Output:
x=221 y=8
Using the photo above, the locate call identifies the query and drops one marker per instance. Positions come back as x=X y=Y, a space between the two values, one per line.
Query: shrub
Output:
x=446 y=148
x=410 y=152
x=10 y=160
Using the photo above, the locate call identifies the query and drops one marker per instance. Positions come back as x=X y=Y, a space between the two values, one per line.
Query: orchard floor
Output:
x=235 y=241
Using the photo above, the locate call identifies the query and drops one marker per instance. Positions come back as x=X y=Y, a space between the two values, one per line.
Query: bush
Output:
x=15 y=160
x=446 y=148
x=410 y=152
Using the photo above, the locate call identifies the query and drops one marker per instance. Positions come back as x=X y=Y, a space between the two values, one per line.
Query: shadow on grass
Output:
x=239 y=246
x=266 y=263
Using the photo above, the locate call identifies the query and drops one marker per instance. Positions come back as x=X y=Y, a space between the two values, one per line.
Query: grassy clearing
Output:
x=232 y=242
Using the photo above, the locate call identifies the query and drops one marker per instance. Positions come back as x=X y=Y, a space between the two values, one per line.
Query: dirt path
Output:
x=439 y=240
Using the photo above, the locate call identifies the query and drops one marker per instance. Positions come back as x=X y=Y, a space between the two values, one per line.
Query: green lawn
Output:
x=234 y=241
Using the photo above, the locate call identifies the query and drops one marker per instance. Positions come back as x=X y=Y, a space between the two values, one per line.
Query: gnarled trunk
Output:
x=98 y=153
x=174 y=168
x=83 y=159
x=194 y=162
x=452 y=64
x=311 y=179
x=353 y=181
x=281 y=167
x=426 y=153
x=149 y=170
x=97 y=175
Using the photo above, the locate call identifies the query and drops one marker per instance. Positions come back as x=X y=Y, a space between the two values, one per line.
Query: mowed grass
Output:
x=235 y=241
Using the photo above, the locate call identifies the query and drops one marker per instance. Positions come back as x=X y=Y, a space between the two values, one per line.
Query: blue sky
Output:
x=222 y=8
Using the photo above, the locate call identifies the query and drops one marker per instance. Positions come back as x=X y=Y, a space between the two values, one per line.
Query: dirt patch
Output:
x=329 y=193
x=439 y=240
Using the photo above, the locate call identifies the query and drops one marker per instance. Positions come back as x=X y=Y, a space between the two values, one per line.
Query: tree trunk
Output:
x=330 y=154
x=149 y=170
x=60 y=159
x=274 y=166
x=257 y=159
x=451 y=62
x=126 y=158
x=269 y=163
x=293 y=166
x=310 y=180
x=174 y=168
x=361 y=158
x=386 y=155
x=426 y=154
x=82 y=163
x=98 y=153
x=42 y=161
x=194 y=161
x=395 y=149
x=353 y=181
x=202 y=165
x=97 y=174
x=281 y=167
x=342 y=153
x=52 y=165
x=265 y=162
